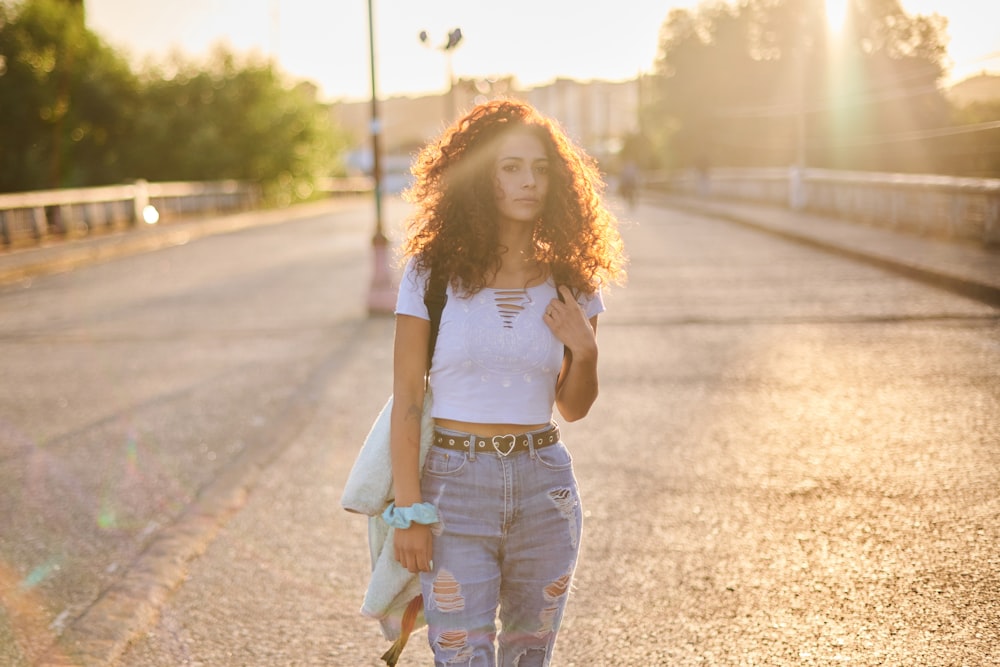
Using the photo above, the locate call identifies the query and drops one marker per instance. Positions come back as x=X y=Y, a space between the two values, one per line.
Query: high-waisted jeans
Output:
x=509 y=536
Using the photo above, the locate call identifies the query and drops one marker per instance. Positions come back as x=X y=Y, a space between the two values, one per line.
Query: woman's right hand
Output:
x=414 y=547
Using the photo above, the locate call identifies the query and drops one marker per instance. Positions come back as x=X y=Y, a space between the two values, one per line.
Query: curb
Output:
x=126 y=609
x=963 y=285
x=101 y=635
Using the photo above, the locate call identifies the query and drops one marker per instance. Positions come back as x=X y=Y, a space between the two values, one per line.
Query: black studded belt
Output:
x=504 y=445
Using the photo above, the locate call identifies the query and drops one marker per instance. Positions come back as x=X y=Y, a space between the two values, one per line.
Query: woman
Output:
x=510 y=213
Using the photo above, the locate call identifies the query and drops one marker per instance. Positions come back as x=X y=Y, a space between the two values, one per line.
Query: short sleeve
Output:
x=593 y=304
x=410 y=297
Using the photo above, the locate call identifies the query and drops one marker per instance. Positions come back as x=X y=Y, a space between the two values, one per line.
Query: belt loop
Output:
x=472 y=447
x=531 y=444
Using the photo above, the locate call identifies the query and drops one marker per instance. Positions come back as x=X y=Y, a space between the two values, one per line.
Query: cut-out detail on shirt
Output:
x=477 y=355
x=510 y=304
x=503 y=334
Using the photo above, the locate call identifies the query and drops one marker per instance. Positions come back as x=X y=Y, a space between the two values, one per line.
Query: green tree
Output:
x=65 y=98
x=72 y=113
x=232 y=119
x=736 y=82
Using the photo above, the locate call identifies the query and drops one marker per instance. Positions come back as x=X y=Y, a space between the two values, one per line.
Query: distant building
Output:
x=598 y=115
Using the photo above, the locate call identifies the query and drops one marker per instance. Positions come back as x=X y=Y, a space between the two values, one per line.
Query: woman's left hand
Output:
x=568 y=322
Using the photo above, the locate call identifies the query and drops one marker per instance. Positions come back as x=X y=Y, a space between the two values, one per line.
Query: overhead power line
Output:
x=917 y=135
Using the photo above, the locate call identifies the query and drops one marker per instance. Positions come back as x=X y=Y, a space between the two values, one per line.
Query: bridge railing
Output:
x=944 y=206
x=32 y=217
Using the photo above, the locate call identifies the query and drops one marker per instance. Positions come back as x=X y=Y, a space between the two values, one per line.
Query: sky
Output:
x=326 y=41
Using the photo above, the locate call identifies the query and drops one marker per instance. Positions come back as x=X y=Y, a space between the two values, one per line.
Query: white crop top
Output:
x=495 y=361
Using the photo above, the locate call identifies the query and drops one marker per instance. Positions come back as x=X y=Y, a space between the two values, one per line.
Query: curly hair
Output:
x=454 y=227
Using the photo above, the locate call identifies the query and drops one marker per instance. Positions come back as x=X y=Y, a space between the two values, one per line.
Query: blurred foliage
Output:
x=733 y=82
x=72 y=113
x=231 y=119
x=65 y=99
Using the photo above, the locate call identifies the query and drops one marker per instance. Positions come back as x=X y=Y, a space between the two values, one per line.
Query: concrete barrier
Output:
x=934 y=205
x=32 y=217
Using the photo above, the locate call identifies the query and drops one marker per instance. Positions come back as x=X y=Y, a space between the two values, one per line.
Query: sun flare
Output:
x=836 y=15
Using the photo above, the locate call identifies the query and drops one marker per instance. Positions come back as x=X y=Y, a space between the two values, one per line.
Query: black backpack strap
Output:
x=435 y=298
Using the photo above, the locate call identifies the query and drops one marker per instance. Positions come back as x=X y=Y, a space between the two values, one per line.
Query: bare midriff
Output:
x=487 y=430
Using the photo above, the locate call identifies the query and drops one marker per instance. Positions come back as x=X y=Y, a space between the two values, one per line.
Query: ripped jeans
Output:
x=509 y=536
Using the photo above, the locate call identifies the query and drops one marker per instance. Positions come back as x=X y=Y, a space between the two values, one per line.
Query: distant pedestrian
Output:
x=628 y=182
x=510 y=214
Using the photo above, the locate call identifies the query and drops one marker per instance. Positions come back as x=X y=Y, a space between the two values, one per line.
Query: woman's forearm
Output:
x=578 y=385
x=405 y=448
x=407 y=407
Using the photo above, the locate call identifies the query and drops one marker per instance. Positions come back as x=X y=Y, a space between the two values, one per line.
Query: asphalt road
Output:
x=794 y=459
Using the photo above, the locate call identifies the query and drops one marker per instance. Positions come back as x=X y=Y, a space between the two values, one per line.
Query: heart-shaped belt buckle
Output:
x=500 y=440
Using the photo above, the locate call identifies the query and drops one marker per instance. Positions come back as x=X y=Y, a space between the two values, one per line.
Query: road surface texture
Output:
x=794 y=459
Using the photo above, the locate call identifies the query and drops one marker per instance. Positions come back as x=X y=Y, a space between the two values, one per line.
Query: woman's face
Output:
x=521 y=177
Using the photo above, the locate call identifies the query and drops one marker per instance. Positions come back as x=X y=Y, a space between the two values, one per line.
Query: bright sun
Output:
x=836 y=15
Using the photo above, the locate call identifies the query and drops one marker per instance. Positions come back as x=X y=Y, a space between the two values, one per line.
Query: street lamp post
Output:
x=381 y=294
x=797 y=195
x=454 y=38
